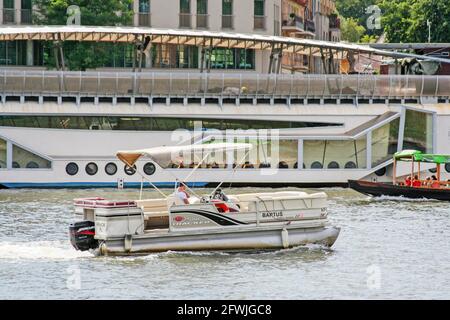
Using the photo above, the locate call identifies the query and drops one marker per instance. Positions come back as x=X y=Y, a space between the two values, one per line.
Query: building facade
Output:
x=291 y=18
x=244 y=16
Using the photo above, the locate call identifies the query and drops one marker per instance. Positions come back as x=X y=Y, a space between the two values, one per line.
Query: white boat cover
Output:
x=164 y=156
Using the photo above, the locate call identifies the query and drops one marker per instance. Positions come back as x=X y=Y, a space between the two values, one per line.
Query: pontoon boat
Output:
x=217 y=221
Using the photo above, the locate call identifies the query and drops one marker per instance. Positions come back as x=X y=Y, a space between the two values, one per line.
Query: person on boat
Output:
x=181 y=196
x=408 y=181
x=416 y=182
x=435 y=182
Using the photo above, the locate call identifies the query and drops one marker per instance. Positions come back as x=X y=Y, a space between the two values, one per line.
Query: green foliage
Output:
x=350 y=30
x=82 y=56
x=402 y=20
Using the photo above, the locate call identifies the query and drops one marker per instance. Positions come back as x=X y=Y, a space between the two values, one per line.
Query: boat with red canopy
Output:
x=413 y=186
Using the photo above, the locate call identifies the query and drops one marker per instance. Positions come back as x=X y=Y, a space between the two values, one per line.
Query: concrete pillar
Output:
x=136 y=13
x=1 y=13
x=18 y=7
x=30 y=52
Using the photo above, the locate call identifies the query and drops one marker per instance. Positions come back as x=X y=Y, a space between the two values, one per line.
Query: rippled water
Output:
x=388 y=248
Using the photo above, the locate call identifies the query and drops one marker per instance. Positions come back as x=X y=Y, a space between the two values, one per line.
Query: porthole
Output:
x=381 y=172
x=111 y=169
x=32 y=165
x=447 y=167
x=149 y=168
x=72 y=169
x=16 y=165
x=333 y=165
x=91 y=169
x=350 y=165
x=283 y=165
x=130 y=170
x=316 y=165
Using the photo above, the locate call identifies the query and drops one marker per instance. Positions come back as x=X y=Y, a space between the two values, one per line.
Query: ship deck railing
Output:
x=29 y=85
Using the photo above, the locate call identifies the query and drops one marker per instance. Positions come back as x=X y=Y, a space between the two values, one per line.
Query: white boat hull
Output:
x=262 y=238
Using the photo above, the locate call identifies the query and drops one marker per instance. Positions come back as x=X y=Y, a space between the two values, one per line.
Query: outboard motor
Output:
x=82 y=235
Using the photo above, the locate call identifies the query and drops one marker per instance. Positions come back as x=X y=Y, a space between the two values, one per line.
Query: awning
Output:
x=194 y=37
x=418 y=156
x=164 y=156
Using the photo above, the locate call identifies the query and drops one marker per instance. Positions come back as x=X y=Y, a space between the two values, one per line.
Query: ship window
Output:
x=72 y=168
x=418 y=131
x=150 y=123
x=91 y=168
x=335 y=154
x=130 y=170
x=381 y=172
x=333 y=165
x=447 y=167
x=2 y=153
x=385 y=142
x=23 y=158
x=149 y=168
x=111 y=169
x=316 y=165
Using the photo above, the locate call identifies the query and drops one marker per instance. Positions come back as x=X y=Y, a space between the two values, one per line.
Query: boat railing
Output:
x=221 y=85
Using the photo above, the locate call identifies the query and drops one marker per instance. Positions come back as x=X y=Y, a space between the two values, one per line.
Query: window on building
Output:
x=185 y=6
x=173 y=56
x=222 y=58
x=227 y=14
x=13 y=52
x=259 y=9
x=227 y=7
x=144 y=6
x=202 y=6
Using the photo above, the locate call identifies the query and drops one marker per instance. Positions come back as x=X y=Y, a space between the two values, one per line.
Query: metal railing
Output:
x=217 y=85
x=144 y=19
x=202 y=21
x=185 y=20
x=9 y=16
x=296 y=22
x=259 y=23
x=227 y=22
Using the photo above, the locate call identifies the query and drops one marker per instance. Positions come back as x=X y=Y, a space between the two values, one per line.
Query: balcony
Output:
x=9 y=16
x=259 y=23
x=145 y=19
x=335 y=22
x=185 y=20
x=310 y=26
x=26 y=16
x=202 y=21
x=227 y=22
x=293 y=22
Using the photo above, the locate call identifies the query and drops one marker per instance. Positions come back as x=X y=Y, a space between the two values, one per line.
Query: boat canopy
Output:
x=418 y=156
x=164 y=156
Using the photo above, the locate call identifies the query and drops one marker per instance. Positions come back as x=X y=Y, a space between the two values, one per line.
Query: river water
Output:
x=388 y=248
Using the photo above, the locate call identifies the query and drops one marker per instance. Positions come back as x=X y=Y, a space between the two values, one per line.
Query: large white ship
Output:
x=63 y=129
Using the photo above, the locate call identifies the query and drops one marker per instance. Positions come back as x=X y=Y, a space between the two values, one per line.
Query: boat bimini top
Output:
x=163 y=156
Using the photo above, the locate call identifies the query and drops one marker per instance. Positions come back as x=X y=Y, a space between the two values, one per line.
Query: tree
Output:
x=351 y=31
x=83 y=55
x=406 y=20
